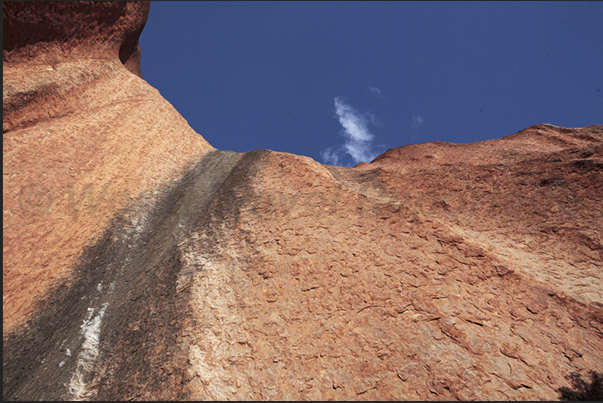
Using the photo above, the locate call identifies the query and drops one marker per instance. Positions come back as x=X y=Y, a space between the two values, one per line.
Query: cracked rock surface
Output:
x=142 y=264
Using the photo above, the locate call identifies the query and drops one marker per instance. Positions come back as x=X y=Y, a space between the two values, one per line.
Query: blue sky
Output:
x=342 y=82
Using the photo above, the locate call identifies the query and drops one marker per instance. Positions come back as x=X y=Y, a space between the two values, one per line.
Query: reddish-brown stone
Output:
x=83 y=136
x=51 y=31
x=141 y=263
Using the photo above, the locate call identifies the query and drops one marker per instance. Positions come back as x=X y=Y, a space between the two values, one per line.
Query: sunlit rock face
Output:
x=141 y=263
x=84 y=137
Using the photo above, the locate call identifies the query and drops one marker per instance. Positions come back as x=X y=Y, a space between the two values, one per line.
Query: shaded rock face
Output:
x=52 y=31
x=438 y=271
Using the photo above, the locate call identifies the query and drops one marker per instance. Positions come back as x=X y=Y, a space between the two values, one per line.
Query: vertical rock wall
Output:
x=142 y=264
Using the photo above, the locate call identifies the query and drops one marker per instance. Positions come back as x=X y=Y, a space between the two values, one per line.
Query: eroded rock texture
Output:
x=83 y=137
x=141 y=263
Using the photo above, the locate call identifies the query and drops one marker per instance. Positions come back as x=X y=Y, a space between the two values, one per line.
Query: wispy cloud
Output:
x=330 y=157
x=415 y=125
x=358 y=143
x=376 y=91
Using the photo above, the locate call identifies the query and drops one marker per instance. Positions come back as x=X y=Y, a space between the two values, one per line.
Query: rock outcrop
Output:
x=141 y=263
x=83 y=136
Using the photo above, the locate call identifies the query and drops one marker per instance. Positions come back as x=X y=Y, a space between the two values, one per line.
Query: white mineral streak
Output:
x=90 y=329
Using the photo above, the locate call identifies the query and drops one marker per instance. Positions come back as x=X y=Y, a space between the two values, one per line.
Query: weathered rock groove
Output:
x=125 y=282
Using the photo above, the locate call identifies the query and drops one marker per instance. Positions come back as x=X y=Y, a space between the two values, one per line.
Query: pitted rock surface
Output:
x=83 y=138
x=142 y=264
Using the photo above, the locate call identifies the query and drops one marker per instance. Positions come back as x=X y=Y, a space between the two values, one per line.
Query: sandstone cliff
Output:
x=141 y=263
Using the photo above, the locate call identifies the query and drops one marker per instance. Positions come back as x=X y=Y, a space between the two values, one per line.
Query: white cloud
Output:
x=354 y=124
x=376 y=91
x=330 y=157
x=358 y=145
x=356 y=132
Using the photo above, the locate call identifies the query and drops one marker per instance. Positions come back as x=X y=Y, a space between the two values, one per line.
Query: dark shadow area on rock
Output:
x=126 y=284
x=581 y=389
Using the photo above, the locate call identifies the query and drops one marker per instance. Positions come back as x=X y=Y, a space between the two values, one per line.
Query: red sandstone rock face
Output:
x=430 y=282
x=539 y=189
x=83 y=137
x=52 y=31
x=438 y=271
